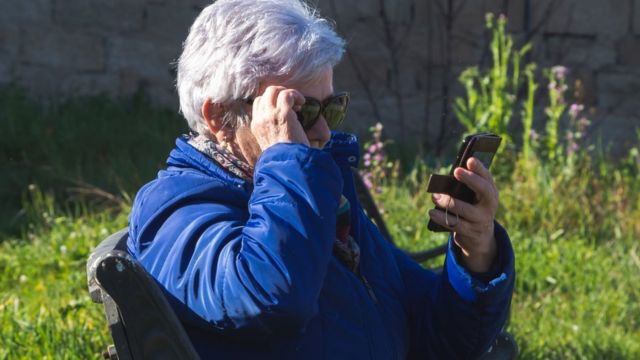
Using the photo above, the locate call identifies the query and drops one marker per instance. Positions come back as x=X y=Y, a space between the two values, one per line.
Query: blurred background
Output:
x=89 y=112
x=402 y=62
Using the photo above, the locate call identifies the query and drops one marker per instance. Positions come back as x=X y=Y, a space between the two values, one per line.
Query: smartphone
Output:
x=482 y=146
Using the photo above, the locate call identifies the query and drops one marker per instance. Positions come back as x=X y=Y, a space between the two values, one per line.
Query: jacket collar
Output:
x=342 y=146
x=185 y=157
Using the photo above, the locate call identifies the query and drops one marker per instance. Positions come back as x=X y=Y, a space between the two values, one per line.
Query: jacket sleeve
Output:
x=260 y=272
x=453 y=315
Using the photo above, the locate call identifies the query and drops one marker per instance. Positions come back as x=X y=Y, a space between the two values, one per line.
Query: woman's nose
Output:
x=319 y=133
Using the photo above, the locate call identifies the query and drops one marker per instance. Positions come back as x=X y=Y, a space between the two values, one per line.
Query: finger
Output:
x=457 y=206
x=449 y=221
x=481 y=186
x=290 y=99
x=478 y=167
x=255 y=106
x=270 y=95
x=298 y=97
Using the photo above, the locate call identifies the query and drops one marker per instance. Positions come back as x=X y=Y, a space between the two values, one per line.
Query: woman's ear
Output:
x=213 y=114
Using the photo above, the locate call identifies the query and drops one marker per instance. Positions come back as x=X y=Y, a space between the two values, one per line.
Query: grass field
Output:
x=69 y=172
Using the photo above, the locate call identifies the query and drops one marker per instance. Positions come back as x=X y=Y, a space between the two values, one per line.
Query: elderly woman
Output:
x=254 y=230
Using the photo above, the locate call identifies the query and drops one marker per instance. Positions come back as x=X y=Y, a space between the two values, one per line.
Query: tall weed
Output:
x=571 y=212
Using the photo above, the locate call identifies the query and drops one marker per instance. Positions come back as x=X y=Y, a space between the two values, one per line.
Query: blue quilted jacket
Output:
x=249 y=268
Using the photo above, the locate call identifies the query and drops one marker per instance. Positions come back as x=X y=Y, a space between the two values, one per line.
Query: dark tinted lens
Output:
x=334 y=114
x=309 y=113
x=336 y=110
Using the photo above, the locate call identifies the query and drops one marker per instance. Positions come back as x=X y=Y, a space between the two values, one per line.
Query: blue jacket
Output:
x=249 y=268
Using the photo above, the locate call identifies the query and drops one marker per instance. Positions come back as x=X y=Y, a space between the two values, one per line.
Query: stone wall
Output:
x=402 y=65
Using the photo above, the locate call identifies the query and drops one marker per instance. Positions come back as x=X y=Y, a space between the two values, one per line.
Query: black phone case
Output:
x=447 y=184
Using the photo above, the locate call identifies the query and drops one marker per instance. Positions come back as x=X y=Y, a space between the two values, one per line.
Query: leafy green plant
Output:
x=491 y=95
x=376 y=168
x=557 y=105
x=571 y=212
x=529 y=140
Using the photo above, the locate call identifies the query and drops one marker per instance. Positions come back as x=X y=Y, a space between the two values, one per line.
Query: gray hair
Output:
x=234 y=45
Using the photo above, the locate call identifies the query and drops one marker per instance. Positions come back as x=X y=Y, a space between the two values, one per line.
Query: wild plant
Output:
x=376 y=168
x=491 y=96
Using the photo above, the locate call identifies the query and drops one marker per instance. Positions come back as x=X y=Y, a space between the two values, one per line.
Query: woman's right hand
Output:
x=274 y=119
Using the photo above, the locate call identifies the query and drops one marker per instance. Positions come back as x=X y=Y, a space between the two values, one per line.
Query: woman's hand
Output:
x=274 y=119
x=473 y=231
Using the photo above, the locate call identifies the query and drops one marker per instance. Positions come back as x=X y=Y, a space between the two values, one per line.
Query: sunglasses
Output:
x=333 y=108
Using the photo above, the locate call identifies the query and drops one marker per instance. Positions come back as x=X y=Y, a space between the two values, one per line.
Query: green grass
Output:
x=575 y=235
x=79 y=148
x=574 y=229
x=45 y=308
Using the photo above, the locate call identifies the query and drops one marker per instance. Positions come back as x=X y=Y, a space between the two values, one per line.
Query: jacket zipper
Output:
x=368 y=287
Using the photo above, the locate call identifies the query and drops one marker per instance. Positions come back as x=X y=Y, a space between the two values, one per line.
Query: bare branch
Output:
x=362 y=80
x=395 y=68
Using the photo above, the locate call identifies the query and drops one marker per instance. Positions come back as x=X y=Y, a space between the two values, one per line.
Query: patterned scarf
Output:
x=222 y=156
x=345 y=247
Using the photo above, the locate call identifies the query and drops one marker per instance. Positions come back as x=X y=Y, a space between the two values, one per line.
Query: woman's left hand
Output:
x=473 y=230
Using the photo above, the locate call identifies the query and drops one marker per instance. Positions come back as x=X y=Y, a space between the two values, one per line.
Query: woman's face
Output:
x=318 y=135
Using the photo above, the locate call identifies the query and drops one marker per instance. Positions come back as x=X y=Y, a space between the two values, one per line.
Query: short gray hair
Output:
x=233 y=45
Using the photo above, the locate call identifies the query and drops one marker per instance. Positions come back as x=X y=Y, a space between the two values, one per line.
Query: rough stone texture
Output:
x=618 y=90
x=42 y=46
x=142 y=56
x=169 y=23
x=582 y=17
x=107 y=15
x=25 y=11
x=467 y=22
x=618 y=116
x=618 y=130
x=516 y=15
x=576 y=51
x=61 y=48
x=88 y=84
x=629 y=50
x=636 y=17
x=9 y=42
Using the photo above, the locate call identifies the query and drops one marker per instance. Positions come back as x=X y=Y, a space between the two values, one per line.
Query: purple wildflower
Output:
x=366 y=179
x=560 y=72
x=575 y=110
x=573 y=148
x=584 y=122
